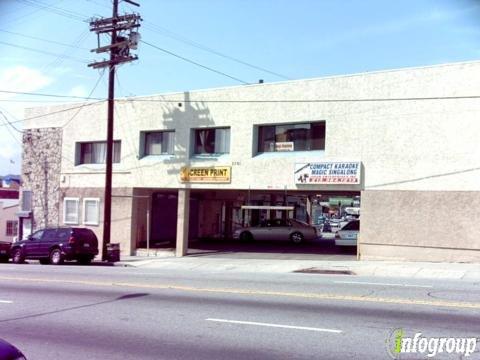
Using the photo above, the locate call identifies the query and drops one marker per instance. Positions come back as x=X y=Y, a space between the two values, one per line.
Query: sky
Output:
x=45 y=46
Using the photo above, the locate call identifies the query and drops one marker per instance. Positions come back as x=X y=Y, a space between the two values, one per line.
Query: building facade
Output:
x=187 y=164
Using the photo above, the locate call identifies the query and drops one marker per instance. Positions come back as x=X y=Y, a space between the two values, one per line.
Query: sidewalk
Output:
x=231 y=263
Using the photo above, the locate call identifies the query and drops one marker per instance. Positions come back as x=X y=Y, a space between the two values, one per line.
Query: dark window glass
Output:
x=96 y=152
x=280 y=223
x=266 y=138
x=63 y=234
x=212 y=141
x=49 y=235
x=353 y=225
x=37 y=236
x=291 y=137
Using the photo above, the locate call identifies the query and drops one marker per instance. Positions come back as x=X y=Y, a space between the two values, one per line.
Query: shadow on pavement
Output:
x=319 y=249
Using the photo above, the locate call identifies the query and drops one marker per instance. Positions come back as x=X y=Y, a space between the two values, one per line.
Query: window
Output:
x=212 y=141
x=291 y=137
x=37 y=236
x=158 y=143
x=12 y=228
x=96 y=152
x=353 y=225
x=26 y=200
x=70 y=211
x=90 y=211
x=49 y=235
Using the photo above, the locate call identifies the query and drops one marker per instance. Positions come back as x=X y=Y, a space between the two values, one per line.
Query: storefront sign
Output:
x=284 y=146
x=328 y=173
x=215 y=174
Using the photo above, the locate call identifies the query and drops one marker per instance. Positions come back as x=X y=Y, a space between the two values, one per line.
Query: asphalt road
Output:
x=96 y=312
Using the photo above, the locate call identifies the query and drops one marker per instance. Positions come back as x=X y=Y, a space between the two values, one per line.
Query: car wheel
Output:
x=84 y=260
x=44 y=261
x=17 y=256
x=56 y=257
x=3 y=259
x=246 y=236
x=296 y=238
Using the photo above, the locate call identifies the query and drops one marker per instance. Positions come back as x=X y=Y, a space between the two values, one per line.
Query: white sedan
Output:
x=347 y=235
x=277 y=229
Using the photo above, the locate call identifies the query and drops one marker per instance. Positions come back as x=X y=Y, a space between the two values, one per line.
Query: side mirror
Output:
x=30 y=237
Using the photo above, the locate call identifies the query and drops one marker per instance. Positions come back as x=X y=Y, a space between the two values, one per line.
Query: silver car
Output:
x=347 y=235
x=277 y=229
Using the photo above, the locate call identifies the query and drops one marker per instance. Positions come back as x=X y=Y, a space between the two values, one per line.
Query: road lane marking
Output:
x=6 y=302
x=276 y=325
x=382 y=284
x=316 y=296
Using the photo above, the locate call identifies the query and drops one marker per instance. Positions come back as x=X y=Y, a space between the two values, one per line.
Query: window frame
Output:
x=80 y=152
x=214 y=153
x=77 y=200
x=144 y=143
x=265 y=130
x=13 y=228
x=97 y=201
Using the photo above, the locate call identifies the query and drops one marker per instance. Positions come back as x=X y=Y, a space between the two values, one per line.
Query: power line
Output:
x=193 y=62
x=55 y=112
x=44 y=40
x=56 y=10
x=9 y=123
x=163 y=31
x=48 y=95
x=426 y=98
x=81 y=107
x=43 y=52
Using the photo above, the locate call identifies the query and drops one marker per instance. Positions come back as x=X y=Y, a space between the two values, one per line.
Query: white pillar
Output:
x=183 y=214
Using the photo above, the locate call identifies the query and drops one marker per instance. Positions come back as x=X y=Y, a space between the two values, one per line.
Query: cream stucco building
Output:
x=413 y=132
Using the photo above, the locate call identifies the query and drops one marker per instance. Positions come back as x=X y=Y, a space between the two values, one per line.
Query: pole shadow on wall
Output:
x=183 y=117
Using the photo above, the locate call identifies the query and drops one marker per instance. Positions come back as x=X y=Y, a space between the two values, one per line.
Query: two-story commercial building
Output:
x=201 y=163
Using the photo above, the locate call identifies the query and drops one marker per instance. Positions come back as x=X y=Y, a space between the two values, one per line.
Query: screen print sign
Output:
x=327 y=173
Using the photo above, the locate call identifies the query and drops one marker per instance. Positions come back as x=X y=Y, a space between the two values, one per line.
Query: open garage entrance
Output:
x=215 y=216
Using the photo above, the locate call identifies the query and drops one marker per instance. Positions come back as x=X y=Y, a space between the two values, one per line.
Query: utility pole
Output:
x=122 y=30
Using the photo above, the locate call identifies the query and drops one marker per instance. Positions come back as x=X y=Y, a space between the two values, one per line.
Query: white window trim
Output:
x=85 y=222
x=65 y=210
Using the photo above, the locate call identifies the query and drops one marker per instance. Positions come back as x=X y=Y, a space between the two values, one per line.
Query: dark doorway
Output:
x=164 y=219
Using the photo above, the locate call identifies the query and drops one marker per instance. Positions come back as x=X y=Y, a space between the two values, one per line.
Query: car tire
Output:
x=3 y=259
x=296 y=238
x=44 y=261
x=56 y=257
x=246 y=236
x=84 y=260
x=17 y=256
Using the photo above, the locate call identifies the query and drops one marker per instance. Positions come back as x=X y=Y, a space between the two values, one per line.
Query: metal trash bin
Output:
x=113 y=252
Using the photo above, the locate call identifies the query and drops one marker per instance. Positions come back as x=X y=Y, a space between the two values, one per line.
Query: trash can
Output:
x=113 y=252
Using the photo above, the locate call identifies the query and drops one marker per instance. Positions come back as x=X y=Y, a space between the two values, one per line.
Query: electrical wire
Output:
x=48 y=95
x=88 y=98
x=163 y=31
x=55 y=112
x=56 y=10
x=426 y=98
x=44 y=40
x=193 y=62
x=45 y=52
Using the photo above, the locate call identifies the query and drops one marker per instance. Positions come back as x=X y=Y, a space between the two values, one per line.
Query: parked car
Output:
x=277 y=229
x=54 y=245
x=347 y=235
x=10 y=352
x=4 y=251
